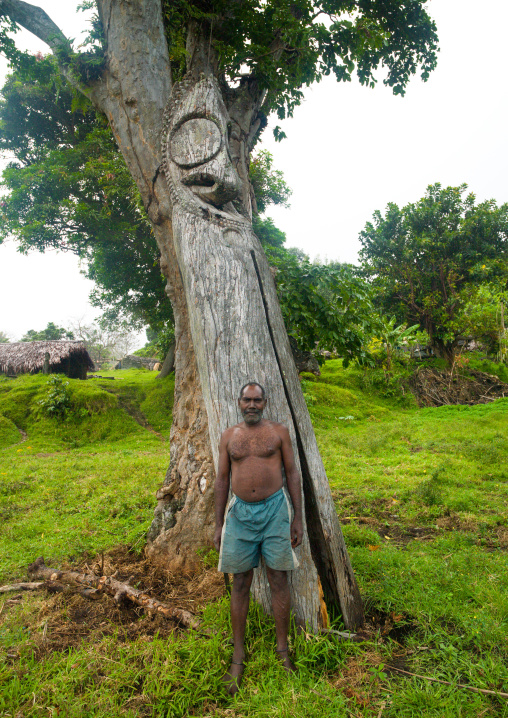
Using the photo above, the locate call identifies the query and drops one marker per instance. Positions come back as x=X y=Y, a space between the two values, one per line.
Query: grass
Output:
x=85 y=483
x=422 y=497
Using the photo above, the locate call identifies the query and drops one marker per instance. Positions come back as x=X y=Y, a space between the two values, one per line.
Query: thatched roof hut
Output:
x=63 y=357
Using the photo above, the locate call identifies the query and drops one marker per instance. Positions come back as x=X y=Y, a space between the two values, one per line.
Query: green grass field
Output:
x=422 y=497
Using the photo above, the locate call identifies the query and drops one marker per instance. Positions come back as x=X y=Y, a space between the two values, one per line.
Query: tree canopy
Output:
x=70 y=189
x=325 y=306
x=269 y=50
x=283 y=45
x=427 y=259
x=51 y=333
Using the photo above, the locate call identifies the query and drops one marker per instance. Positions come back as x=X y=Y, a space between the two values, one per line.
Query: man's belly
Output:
x=255 y=479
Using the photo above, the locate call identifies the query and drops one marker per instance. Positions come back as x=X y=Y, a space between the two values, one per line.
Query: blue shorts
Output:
x=257 y=528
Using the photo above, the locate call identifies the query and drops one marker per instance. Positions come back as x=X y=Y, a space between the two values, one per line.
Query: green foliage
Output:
x=165 y=337
x=8 y=433
x=51 y=333
x=393 y=336
x=85 y=67
x=324 y=305
x=159 y=344
x=490 y=367
x=427 y=260
x=483 y=315
x=149 y=350
x=286 y=45
x=56 y=401
x=268 y=184
x=266 y=231
x=69 y=189
x=4 y=338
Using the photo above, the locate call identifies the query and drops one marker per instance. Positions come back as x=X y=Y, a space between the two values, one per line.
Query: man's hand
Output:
x=217 y=537
x=296 y=532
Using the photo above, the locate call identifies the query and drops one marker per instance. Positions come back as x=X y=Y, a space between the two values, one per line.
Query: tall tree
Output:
x=427 y=259
x=51 y=333
x=214 y=70
x=102 y=342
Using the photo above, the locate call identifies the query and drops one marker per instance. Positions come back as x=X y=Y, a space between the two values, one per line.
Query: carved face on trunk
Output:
x=198 y=164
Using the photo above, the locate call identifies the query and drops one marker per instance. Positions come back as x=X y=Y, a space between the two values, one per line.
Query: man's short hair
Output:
x=253 y=383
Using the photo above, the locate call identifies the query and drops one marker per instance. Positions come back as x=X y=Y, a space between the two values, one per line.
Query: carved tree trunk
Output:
x=238 y=333
x=228 y=325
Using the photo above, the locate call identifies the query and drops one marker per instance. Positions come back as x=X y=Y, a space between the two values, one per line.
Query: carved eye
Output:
x=195 y=142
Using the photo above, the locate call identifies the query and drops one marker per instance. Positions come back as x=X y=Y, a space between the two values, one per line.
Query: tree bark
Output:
x=23 y=586
x=238 y=332
x=169 y=362
x=228 y=325
x=445 y=350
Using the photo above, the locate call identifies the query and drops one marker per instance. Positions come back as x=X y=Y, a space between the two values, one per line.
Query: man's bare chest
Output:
x=262 y=444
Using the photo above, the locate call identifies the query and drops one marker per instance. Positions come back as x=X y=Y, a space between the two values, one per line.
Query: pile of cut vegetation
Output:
x=437 y=387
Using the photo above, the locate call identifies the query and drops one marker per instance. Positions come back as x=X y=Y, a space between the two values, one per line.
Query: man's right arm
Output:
x=221 y=488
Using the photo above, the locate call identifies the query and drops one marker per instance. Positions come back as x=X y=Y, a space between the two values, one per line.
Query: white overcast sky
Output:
x=350 y=150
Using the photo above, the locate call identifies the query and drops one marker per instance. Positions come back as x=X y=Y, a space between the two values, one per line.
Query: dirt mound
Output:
x=434 y=387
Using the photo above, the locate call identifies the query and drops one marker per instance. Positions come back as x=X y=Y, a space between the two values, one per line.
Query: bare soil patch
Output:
x=62 y=621
x=402 y=535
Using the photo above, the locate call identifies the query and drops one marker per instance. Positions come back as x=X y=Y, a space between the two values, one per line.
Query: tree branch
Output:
x=36 y=21
x=23 y=586
x=119 y=591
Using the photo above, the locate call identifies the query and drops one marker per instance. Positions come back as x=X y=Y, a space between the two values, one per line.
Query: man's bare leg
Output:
x=281 y=603
x=239 y=611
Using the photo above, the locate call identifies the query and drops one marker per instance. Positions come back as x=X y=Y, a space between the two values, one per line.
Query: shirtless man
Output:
x=258 y=519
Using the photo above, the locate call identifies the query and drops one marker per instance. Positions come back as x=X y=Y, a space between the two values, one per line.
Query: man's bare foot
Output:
x=287 y=663
x=232 y=679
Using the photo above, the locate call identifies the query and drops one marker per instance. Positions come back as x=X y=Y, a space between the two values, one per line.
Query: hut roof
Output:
x=25 y=357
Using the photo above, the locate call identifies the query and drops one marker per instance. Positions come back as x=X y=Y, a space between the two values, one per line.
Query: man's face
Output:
x=252 y=404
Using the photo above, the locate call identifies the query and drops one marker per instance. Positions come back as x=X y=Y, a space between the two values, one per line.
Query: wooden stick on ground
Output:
x=342 y=635
x=32 y=586
x=447 y=683
x=118 y=590
x=50 y=586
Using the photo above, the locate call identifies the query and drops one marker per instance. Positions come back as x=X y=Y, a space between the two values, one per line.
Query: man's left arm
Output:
x=294 y=485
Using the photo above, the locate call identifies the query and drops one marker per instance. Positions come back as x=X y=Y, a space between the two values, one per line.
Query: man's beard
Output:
x=252 y=416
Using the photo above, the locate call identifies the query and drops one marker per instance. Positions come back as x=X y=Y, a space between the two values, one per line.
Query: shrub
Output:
x=57 y=401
